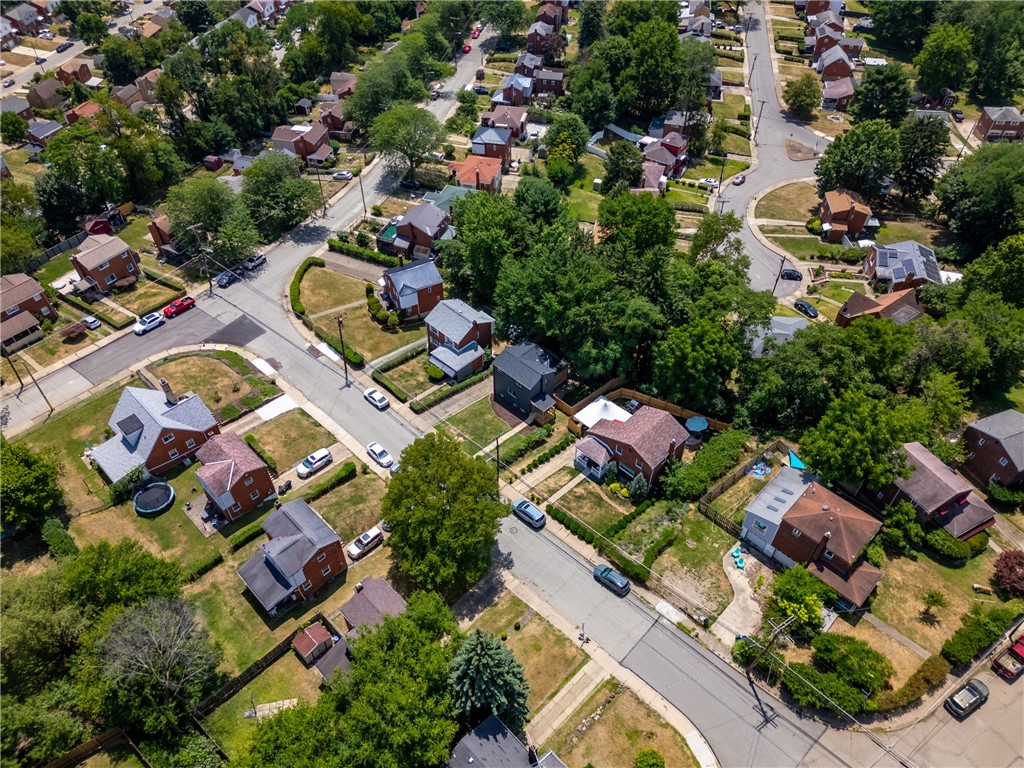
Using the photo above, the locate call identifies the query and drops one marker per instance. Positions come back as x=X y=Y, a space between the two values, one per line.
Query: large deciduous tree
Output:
x=406 y=135
x=539 y=201
x=998 y=271
x=860 y=159
x=491 y=230
x=798 y=593
x=91 y=28
x=443 y=508
x=277 y=195
x=903 y=23
x=694 y=362
x=385 y=82
x=641 y=222
x=883 y=94
x=922 y=145
x=104 y=575
x=623 y=169
x=509 y=17
x=28 y=483
x=591 y=22
x=486 y=679
x=653 y=78
x=196 y=15
x=802 y=96
x=947 y=59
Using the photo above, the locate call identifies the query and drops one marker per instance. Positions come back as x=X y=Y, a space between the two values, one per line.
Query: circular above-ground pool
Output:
x=153 y=499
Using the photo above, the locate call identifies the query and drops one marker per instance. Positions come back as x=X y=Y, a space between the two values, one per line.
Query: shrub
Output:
x=401 y=359
x=853 y=660
x=615 y=487
x=550 y=453
x=718 y=456
x=623 y=522
x=638 y=487
x=377 y=210
x=951 y=548
x=690 y=207
x=739 y=130
x=294 y=289
x=369 y=290
x=929 y=675
x=211 y=561
x=243 y=536
x=363 y=254
x=813 y=226
x=123 y=489
x=346 y=472
x=90 y=309
x=58 y=540
x=229 y=413
x=269 y=460
x=980 y=629
x=535 y=440
x=649 y=758
x=823 y=690
x=1010 y=572
x=425 y=403
x=1006 y=495
x=362 y=240
x=665 y=540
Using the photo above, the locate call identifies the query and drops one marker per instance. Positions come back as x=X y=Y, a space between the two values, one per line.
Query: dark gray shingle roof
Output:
x=1008 y=428
x=455 y=318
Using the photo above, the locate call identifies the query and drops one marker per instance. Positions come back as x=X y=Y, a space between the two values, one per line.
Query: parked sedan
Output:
x=376 y=398
x=90 y=322
x=8 y=83
x=64 y=47
x=792 y=274
x=967 y=698
x=805 y=308
x=957 y=114
x=148 y=322
x=739 y=179
x=713 y=183
x=178 y=306
x=313 y=463
x=342 y=175
x=226 y=278
x=467 y=48
x=612 y=579
x=476 y=34
x=379 y=454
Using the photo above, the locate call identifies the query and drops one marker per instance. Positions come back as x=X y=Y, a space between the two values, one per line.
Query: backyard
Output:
x=291 y=437
x=793 y=202
x=583 y=200
x=807 y=248
x=694 y=561
x=924 y=232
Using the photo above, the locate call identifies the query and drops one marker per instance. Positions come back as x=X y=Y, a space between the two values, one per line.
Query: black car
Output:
x=957 y=114
x=803 y=307
x=40 y=60
x=412 y=184
x=792 y=274
x=64 y=47
x=967 y=698
x=481 y=90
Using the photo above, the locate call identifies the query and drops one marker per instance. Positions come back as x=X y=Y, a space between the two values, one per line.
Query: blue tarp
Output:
x=795 y=462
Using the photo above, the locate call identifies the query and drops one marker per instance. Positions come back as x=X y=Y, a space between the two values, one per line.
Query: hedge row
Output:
x=928 y=676
x=627 y=567
x=243 y=536
x=205 y=566
x=691 y=481
x=166 y=282
x=363 y=254
x=731 y=55
x=293 y=289
x=77 y=303
x=508 y=58
x=390 y=386
x=551 y=452
x=269 y=460
x=537 y=439
x=619 y=525
x=157 y=306
x=692 y=207
x=428 y=402
x=663 y=542
x=795 y=59
x=354 y=358
x=951 y=548
x=980 y=629
x=539 y=115
x=401 y=359
x=346 y=472
x=721 y=34
x=739 y=130
x=790 y=38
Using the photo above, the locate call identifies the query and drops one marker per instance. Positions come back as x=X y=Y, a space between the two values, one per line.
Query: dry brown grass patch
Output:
x=291 y=437
x=551 y=485
x=548 y=657
x=594 y=505
x=353 y=507
x=212 y=379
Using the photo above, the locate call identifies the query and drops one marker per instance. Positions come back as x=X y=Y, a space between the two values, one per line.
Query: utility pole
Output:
x=782 y=265
x=344 y=359
x=323 y=199
x=967 y=140
x=497 y=458
x=21 y=383
x=776 y=631
x=758 y=126
x=28 y=370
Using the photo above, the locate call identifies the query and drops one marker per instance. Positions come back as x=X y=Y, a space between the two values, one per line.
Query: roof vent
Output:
x=824 y=507
x=830 y=517
x=359 y=587
x=828 y=534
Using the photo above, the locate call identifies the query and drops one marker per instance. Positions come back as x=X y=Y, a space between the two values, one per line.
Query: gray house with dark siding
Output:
x=525 y=377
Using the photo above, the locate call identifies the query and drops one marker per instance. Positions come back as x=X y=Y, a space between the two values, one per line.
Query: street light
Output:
x=341 y=321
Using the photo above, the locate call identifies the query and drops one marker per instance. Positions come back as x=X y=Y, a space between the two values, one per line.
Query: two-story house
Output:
x=310 y=142
x=23 y=305
x=551 y=15
x=42 y=131
x=938 y=494
x=127 y=95
x=826 y=19
x=538 y=37
x=834 y=64
x=343 y=84
x=814 y=7
x=418 y=230
x=302 y=555
x=24 y=18
x=837 y=94
x=906 y=264
x=265 y=9
x=549 y=81
x=845 y=214
x=76 y=69
x=528 y=64
x=477 y=172
x=778 y=331
x=235 y=479
x=525 y=378
x=1000 y=124
x=512 y=118
x=332 y=117
x=797 y=520
x=670 y=152
x=458 y=337
x=494 y=142
x=83 y=111
x=247 y=16
x=8 y=35
x=516 y=91
x=155 y=430
x=643 y=443
x=414 y=288
x=45 y=94
x=900 y=306
x=146 y=83
x=995 y=449
x=104 y=261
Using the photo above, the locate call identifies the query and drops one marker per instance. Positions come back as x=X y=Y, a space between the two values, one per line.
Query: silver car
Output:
x=379 y=454
x=148 y=322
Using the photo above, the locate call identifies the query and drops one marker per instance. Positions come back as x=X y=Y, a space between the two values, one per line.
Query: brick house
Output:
x=814 y=7
x=796 y=520
x=938 y=494
x=265 y=9
x=642 y=444
x=127 y=95
x=305 y=141
x=343 y=84
x=303 y=554
x=826 y=19
x=24 y=19
x=1000 y=124
x=537 y=37
x=458 y=337
x=517 y=91
x=845 y=214
x=45 y=94
x=18 y=106
x=494 y=142
x=76 y=69
x=512 y=118
x=528 y=64
x=900 y=306
x=549 y=81
x=41 y=131
x=834 y=64
x=155 y=430
x=235 y=479
x=22 y=297
x=906 y=264
x=837 y=94
x=414 y=288
x=670 y=152
x=83 y=111
x=551 y=15
x=146 y=83
x=332 y=117
x=418 y=229
x=103 y=260
x=525 y=378
x=477 y=172
x=8 y=35
x=995 y=449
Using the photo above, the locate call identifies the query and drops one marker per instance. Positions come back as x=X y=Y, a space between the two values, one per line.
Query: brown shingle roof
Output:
x=15 y=288
x=819 y=511
x=650 y=432
x=226 y=458
x=12 y=326
x=931 y=483
x=855 y=586
x=374 y=600
x=310 y=638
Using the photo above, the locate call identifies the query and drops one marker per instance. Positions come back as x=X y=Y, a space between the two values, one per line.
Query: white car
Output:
x=148 y=322
x=379 y=454
x=376 y=399
x=365 y=543
x=91 y=322
x=342 y=175
x=313 y=463
x=713 y=183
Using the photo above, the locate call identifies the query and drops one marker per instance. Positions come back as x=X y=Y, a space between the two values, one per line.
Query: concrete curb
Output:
x=751 y=220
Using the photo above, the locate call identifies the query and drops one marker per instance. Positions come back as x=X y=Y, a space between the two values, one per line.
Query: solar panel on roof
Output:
x=898 y=273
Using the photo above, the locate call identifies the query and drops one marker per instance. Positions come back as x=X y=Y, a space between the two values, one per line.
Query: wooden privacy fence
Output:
x=105 y=740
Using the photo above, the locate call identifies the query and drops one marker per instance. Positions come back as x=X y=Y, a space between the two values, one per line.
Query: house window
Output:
x=326 y=571
x=307 y=586
x=174 y=453
x=168 y=438
x=46 y=310
x=618 y=450
x=829 y=554
x=796 y=533
x=639 y=464
x=970 y=455
x=111 y=279
x=37 y=297
x=981 y=441
x=190 y=443
x=248 y=481
x=104 y=265
x=1003 y=462
x=322 y=557
x=131 y=267
x=254 y=495
x=760 y=526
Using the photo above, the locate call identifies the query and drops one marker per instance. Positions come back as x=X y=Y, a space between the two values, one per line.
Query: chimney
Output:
x=359 y=587
x=478 y=177
x=168 y=392
x=672 y=448
x=821 y=546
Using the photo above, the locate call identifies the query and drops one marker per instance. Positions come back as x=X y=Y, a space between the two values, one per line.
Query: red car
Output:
x=178 y=306
x=476 y=34
x=466 y=48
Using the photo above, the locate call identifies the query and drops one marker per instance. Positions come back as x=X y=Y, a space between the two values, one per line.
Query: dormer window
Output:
x=829 y=554
x=796 y=533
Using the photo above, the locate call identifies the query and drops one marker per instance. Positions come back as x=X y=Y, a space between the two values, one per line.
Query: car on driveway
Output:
x=713 y=183
x=805 y=308
x=226 y=278
x=313 y=463
x=957 y=114
x=479 y=90
x=379 y=454
x=365 y=543
x=64 y=47
x=739 y=179
x=342 y=175
x=529 y=513
x=255 y=261
x=411 y=184
x=475 y=34
x=376 y=398
x=609 y=577
x=792 y=274
x=178 y=306
x=967 y=698
x=90 y=322
x=148 y=322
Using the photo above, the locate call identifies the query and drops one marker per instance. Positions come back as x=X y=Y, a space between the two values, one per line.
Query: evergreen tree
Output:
x=486 y=678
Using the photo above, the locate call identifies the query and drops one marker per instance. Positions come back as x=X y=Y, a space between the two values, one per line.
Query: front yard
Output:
x=291 y=437
x=145 y=296
x=594 y=505
x=226 y=381
x=694 y=561
x=411 y=376
x=370 y=339
x=55 y=347
x=793 y=202
x=478 y=425
x=353 y=507
x=324 y=289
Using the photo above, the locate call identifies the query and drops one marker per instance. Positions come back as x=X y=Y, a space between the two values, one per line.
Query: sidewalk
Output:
x=566 y=701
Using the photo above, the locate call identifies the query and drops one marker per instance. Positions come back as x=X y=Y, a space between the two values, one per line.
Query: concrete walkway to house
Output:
x=1010 y=532
x=525 y=484
x=336 y=310
x=397 y=353
x=566 y=701
x=895 y=634
x=779 y=223
x=567 y=487
x=743 y=615
x=611 y=668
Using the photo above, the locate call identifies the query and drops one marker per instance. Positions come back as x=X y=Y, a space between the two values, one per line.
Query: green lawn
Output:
x=23 y=171
x=136 y=234
x=583 y=200
x=804 y=248
x=730 y=107
x=411 y=376
x=924 y=232
x=781 y=310
x=291 y=437
x=840 y=292
x=323 y=289
x=826 y=308
x=353 y=507
x=479 y=425
x=676 y=194
x=711 y=167
x=736 y=145
x=56 y=267
x=794 y=202
x=594 y=505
